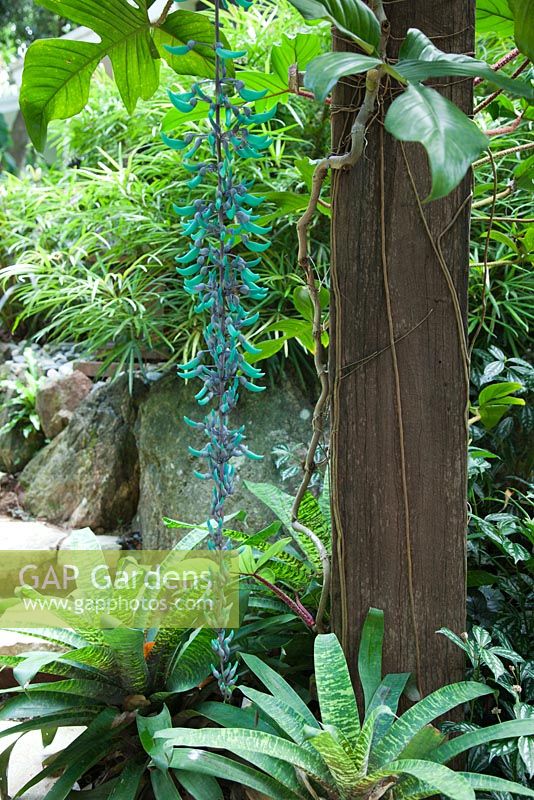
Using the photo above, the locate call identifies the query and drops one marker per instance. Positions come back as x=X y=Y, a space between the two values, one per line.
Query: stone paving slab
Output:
x=27 y=758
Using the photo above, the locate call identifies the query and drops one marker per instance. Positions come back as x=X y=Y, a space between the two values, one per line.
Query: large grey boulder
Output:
x=89 y=474
x=58 y=398
x=280 y=414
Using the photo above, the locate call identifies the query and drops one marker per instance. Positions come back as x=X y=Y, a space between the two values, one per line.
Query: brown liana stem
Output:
x=332 y=162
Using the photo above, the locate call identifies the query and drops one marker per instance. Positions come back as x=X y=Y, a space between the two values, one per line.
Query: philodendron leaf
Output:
x=57 y=72
x=494 y=16
x=352 y=17
x=420 y=59
x=326 y=70
x=523 y=11
x=451 y=139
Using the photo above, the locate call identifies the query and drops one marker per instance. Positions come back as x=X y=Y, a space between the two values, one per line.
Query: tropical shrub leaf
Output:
x=504 y=730
x=451 y=140
x=351 y=17
x=420 y=59
x=326 y=70
x=57 y=72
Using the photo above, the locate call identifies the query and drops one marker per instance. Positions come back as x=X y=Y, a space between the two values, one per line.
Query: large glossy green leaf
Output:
x=451 y=140
x=326 y=70
x=179 y=28
x=489 y=783
x=221 y=767
x=334 y=688
x=523 y=11
x=504 y=730
x=494 y=16
x=425 y=711
x=147 y=727
x=370 y=654
x=352 y=17
x=248 y=744
x=57 y=72
x=420 y=59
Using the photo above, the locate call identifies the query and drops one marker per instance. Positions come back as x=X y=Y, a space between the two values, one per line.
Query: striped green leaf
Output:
x=334 y=688
x=440 y=778
x=426 y=710
x=370 y=654
x=98 y=691
x=59 y=636
x=279 y=687
x=43 y=721
x=127 y=645
x=504 y=730
x=37 y=703
x=337 y=760
x=388 y=694
x=192 y=662
x=362 y=749
x=249 y=744
x=219 y=766
x=291 y=723
x=489 y=783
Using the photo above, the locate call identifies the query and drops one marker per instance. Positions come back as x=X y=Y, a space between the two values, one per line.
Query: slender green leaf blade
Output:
x=489 y=783
x=370 y=654
x=504 y=730
x=334 y=688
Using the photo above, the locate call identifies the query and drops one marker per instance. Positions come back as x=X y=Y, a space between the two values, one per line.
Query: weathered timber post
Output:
x=399 y=413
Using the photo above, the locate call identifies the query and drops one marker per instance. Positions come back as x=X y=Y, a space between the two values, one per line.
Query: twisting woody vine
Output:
x=221 y=228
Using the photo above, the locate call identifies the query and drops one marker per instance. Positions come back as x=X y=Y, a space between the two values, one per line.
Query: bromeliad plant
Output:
x=344 y=755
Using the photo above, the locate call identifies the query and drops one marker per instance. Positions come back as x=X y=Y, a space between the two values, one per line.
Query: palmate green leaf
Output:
x=489 y=783
x=220 y=766
x=422 y=713
x=334 y=688
x=57 y=72
x=370 y=654
x=352 y=17
x=248 y=744
x=326 y=70
x=504 y=730
x=420 y=59
x=451 y=140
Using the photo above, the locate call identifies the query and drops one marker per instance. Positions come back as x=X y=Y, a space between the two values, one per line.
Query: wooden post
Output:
x=399 y=414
